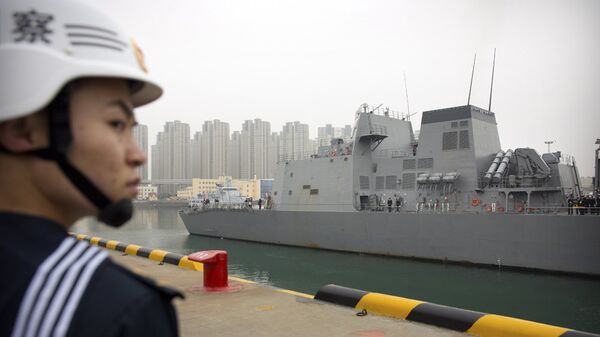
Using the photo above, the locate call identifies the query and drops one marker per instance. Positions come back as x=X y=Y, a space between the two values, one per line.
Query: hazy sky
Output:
x=317 y=61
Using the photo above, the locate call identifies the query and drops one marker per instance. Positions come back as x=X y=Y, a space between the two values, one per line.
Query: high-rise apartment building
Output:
x=214 y=146
x=327 y=132
x=294 y=141
x=246 y=150
x=234 y=162
x=254 y=149
x=155 y=162
x=140 y=134
x=171 y=155
x=313 y=146
x=196 y=155
x=273 y=152
x=324 y=135
x=347 y=132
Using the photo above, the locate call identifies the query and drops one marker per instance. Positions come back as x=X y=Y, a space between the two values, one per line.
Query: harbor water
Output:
x=568 y=301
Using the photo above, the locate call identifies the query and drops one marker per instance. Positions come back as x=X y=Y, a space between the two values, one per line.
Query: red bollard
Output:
x=215 y=268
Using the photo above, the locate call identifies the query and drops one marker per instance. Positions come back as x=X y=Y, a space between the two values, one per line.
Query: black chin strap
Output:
x=77 y=178
x=112 y=213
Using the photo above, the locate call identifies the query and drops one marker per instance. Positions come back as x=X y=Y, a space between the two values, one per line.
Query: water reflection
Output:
x=559 y=300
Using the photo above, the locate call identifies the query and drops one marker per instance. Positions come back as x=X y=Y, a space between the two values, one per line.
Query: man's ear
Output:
x=22 y=134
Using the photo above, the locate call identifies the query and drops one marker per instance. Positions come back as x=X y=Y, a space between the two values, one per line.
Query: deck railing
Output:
x=506 y=182
x=421 y=208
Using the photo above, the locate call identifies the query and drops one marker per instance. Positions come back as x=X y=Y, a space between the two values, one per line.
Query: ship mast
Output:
x=471 y=85
x=407 y=105
x=492 y=85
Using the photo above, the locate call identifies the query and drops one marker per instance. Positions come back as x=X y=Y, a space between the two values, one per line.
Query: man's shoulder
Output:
x=117 y=280
x=118 y=302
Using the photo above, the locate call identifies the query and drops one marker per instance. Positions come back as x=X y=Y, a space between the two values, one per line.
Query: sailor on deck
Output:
x=398 y=203
x=570 y=205
x=70 y=78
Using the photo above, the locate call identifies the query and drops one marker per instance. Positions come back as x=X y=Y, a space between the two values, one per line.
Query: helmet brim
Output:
x=31 y=88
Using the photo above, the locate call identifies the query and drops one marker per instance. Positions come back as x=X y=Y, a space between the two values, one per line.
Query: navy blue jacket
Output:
x=53 y=285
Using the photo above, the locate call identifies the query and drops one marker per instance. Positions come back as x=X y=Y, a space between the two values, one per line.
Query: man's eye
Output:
x=118 y=124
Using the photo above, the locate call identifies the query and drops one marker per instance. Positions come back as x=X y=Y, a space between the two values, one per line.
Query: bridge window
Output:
x=314 y=191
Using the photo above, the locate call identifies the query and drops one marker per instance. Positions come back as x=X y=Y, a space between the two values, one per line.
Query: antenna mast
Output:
x=492 y=85
x=471 y=85
x=406 y=89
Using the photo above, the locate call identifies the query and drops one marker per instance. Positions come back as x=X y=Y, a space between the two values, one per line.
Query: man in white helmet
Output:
x=69 y=81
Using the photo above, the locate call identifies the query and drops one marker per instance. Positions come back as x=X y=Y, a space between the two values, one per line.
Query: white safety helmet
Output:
x=46 y=44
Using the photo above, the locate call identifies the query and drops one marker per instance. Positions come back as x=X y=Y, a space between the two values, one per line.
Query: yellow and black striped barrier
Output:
x=164 y=257
x=152 y=254
x=471 y=322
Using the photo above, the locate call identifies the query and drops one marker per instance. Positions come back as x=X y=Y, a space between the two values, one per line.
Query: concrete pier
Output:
x=257 y=310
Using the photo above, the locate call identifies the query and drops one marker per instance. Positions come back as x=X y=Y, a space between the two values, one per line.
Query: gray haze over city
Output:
x=317 y=61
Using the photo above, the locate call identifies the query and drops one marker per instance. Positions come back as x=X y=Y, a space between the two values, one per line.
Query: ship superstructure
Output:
x=456 y=165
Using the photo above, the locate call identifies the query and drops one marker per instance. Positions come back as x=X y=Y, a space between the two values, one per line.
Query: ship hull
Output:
x=557 y=243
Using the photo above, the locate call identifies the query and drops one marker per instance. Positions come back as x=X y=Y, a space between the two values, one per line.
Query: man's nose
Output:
x=135 y=156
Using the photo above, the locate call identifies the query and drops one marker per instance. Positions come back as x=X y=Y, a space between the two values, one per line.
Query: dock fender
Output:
x=472 y=322
x=340 y=295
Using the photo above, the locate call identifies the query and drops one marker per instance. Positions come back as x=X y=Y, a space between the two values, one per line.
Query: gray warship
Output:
x=456 y=194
